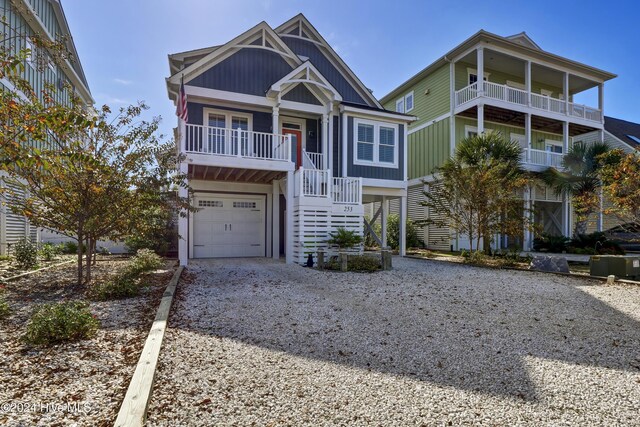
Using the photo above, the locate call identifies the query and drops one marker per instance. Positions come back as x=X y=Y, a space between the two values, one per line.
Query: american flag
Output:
x=181 y=109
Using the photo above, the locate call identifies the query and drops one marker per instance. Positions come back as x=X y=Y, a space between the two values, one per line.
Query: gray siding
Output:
x=372 y=171
x=337 y=146
x=261 y=121
x=313 y=144
x=300 y=93
x=326 y=67
x=250 y=71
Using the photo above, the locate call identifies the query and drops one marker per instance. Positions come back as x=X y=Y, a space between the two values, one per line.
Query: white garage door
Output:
x=229 y=226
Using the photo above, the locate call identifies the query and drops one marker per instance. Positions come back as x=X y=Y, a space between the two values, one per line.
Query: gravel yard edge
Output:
x=134 y=406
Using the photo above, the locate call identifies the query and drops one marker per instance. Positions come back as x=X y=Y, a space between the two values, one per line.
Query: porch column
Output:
x=565 y=89
x=325 y=139
x=452 y=101
x=526 y=241
x=330 y=142
x=275 y=218
x=289 y=220
x=275 y=124
x=566 y=216
x=565 y=137
x=527 y=81
x=183 y=222
x=402 y=227
x=480 y=119
x=600 y=225
x=527 y=135
x=601 y=101
x=480 y=60
x=383 y=221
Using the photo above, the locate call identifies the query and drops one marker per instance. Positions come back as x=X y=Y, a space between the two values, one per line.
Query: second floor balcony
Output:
x=522 y=99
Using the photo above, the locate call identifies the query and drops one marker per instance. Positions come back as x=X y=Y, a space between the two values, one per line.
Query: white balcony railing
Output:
x=347 y=190
x=312 y=160
x=522 y=97
x=311 y=183
x=236 y=142
x=542 y=158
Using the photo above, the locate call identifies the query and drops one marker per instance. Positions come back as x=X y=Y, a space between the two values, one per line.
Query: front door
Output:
x=296 y=144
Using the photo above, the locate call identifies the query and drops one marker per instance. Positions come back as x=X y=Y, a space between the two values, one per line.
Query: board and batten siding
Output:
x=300 y=93
x=428 y=148
x=427 y=107
x=396 y=174
x=326 y=67
x=261 y=120
x=248 y=71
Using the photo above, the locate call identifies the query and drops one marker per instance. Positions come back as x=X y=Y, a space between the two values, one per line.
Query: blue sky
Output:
x=123 y=44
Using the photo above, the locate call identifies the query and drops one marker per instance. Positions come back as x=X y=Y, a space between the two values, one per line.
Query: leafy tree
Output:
x=580 y=180
x=620 y=174
x=393 y=232
x=477 y=193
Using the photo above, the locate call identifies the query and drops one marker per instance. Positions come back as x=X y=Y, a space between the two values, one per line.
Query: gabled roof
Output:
x=623 y=130
x=516 y=45
x=262 y=31
x=299 y=26
x=523 y=39
x=311 y=78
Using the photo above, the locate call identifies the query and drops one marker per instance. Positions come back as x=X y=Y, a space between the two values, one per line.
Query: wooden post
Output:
x=342 y=256
x=320 y=259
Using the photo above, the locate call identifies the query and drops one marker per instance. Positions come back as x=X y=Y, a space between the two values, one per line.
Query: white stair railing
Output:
x=312 y=182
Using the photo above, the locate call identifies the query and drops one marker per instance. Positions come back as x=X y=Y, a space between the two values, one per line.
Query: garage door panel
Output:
x=229 y=226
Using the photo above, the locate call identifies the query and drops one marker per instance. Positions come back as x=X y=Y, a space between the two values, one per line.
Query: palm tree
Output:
x=579 y=179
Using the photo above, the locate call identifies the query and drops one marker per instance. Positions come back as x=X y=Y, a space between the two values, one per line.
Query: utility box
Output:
x=622 y=266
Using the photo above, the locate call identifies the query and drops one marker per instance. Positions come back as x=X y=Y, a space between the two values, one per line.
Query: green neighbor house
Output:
x=491 y=83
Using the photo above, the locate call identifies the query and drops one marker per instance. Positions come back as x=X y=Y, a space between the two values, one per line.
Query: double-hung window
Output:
x=405 y=104
x=376 y=143
x=400 y=105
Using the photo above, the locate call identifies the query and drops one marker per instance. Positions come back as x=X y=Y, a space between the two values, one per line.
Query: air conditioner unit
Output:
x=621 y=266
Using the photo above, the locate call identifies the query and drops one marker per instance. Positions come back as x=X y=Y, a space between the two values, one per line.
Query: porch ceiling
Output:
x=516 y=118
x=215 y=173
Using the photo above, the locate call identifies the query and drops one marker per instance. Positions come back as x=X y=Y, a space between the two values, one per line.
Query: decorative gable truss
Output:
x=259 y=37
x=300 y=27
x=307 y=75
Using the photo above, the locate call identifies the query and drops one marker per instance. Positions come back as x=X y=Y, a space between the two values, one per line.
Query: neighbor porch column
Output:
x=565 y=137
x=275 y=218
x=566 y=215
x=325 y=139
x=452 y=101
x=402 y=226
x=527 y=136
x=289 y=220
x=601 y=101
x=383 y=221
x=565 y=89
x=526 y=241
x=527 y=80
x=480 y=71
x=183 y=222
x=480 y=119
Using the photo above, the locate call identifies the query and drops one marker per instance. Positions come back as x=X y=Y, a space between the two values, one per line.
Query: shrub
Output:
x=550 y=243
x=5 y=310
x=474 y=257
x=48 y=251
x=120 y=287
x=144 y=260
x=364 y=263
x=594 y=243
x=26 y=254
x=59 y=322
x=71 y=247
x=344 y=238
x=369 y=241
x=393 y=233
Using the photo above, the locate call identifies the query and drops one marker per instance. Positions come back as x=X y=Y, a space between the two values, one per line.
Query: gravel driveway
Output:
x=256 y=342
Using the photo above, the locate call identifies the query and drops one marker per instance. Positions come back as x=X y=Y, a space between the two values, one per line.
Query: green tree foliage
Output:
x=478 y=189
x=344 y=239
x=620 y=174
x=580 y=180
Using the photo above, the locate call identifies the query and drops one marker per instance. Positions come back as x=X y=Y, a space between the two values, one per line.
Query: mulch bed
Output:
x=81 y=383
x=8 y=267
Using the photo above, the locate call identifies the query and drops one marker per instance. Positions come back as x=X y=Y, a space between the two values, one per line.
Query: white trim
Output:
x=429 y=123
x=546 y=92
x=377 y=113
x=474 y=71
x=413 y=102
x=516 y=85
x=468 y=129
x=308 y=71
x=228 y=117
x=282 y=118
x=400 y=105
x=376 y=143
x=384 y=183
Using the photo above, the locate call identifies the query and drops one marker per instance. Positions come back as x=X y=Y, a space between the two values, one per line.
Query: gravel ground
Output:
x=74 y=384
x=255 y=342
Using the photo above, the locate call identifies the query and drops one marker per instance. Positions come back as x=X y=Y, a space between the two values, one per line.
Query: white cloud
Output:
x=103 y=98
x=123 y=81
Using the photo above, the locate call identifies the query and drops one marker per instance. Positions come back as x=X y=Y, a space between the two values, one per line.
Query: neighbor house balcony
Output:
x=521 y=100
x=319 y=185
x=538 y=160
x=236 y=148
